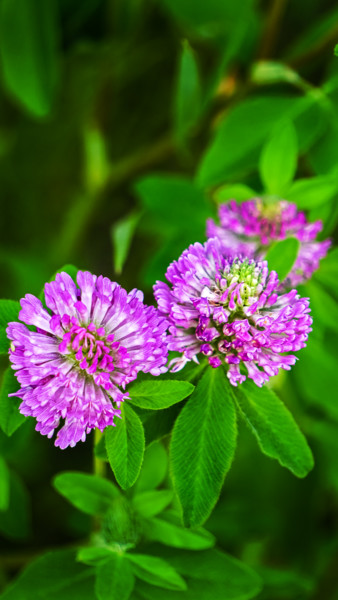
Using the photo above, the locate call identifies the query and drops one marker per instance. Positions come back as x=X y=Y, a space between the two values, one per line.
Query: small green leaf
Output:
x=149 y=504
x=89 y=493
x=53 y=575
x=282 y=255
x=10 y=417
x=156 y=571
x=154 y=468
x=122 y=234
x=4 y=485
x=29 y=40
x=203 y=445
x=188 y=94
x=125 y=447
x=114 y=579
x=273 y=426
x=278 y=161
x=94 y=555
x=167 y=530
x=235 y=191
x=156 y=395
x=336 y=50
x=312 y=192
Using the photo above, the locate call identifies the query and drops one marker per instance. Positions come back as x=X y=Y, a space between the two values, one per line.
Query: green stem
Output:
x=99 y=466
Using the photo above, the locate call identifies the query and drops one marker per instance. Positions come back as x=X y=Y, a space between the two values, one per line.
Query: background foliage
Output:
x=123 y=123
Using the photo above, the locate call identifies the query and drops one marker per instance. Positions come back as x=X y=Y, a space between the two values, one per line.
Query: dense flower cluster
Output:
x=92 y=341
x=230 y=310
x=250 y=228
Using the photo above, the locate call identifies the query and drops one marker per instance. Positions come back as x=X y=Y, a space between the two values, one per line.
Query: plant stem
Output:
x=99 y=466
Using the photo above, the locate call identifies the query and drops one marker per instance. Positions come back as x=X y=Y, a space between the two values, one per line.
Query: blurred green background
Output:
x=122 y=124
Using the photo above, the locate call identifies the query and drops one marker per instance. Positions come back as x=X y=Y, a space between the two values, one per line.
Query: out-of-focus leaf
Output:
x=15 y=521
x=232 y=146
x=328 y=272
x=154 y=468
x=29 y=52
x=93 y=555
x=273 y=426
x=313 y=34
x=156 y=395
x=323 y=306
x=149 y=504
x=168 y=531
x=156 y=571
x=278 y=161
x=10 y=417
x=4 y=485
x=9 y=311
x=122 y=234
x=239 y=580
x=207 y=17
x=114 y=579
x=89 y=493
x=285 y=584
x=53 y=575
x=268 y=72
x=125 y=447
x=187 y=104
x=236 y=191
x=282 y=255
x=203 y=445
x=312 y=192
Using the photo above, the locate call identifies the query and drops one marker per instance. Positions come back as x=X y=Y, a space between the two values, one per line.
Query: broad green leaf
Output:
x=114 y=579
x=168 y=531
x=232 y=147
x=203 y=445
x=4 y=341
x=286 y=584
x=273 y=426
x=29 y=32
x=9 y=311
x=149 y=504
x=122 y=234
x=156 y=395
x=125 y=447
x=15 y=520
x=94 y=555
x=282 y=255
x=89 y=493
x=328 y=272
x=156 y=571
x=154 y=468
x=54 y=575
x=201 y=15
x=312 y=192
x=188 y=94
x=4 y=485
x=278 y=160
x=239 y=580
x=236 y=191
x=323 y=307
x=10 y=417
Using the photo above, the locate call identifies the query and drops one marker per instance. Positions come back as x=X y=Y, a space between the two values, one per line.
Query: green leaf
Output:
x=114 y=579
x=4 y=485
x=125 y=447
x=154 y=468
x=336 y=50
x=273 y=426
x=29 y=41
x=282 y=255
x=94 y=555
x=278 y=161
x=188 y=94
x=149 y=504
x=213 y=566
x=9 y=311
x=15 y=520
x=328 y=272
x=54 y=575
x=203 y=445
x=156 y=395
x=232 y=147
x=122 y=234
x=323 y=307
x=312 y=192
x=167 y=530
x=89 y=493
x=235 y=191
x=156 y=571
x=10 y=417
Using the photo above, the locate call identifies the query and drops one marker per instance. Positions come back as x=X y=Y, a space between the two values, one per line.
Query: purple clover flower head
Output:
x=85 y=349
x=251 y=227
x=231 y=310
